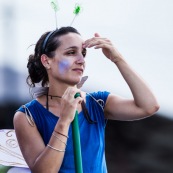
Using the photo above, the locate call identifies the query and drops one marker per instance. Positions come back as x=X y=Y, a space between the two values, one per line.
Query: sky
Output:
x=142 y=30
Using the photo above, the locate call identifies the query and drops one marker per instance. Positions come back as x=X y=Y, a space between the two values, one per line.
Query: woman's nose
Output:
x=80 y=59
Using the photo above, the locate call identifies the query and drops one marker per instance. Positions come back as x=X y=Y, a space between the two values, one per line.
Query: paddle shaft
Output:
x=76 y=142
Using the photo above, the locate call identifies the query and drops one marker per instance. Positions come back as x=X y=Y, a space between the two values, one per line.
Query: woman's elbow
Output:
x=152 y=110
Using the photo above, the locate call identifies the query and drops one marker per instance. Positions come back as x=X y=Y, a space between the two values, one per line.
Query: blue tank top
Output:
x=92 y=136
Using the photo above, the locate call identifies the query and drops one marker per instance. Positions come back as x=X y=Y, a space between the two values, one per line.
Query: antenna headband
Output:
x=46 y=40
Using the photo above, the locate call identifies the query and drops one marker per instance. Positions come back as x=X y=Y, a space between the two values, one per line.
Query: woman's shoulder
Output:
x=27 y=105
x=98 y=95
x=25 y=110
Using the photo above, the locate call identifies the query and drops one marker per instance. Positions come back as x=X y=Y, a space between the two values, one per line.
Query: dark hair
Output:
x=47 y=44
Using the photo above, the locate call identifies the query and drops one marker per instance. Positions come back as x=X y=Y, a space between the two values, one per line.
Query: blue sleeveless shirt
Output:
x=92 y=136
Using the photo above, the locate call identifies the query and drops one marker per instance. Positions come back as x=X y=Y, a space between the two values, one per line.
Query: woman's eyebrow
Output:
x=72 y=47
x=75 y=47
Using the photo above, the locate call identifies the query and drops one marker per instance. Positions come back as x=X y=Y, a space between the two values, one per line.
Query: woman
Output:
x=58 y=63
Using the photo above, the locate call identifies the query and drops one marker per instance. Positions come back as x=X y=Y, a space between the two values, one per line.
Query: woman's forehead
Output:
x=71 y=40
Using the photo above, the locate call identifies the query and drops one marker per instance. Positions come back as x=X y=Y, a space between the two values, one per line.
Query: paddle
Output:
x=76 y=142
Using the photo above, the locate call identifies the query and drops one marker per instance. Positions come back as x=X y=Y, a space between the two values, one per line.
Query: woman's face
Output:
x=68 y=64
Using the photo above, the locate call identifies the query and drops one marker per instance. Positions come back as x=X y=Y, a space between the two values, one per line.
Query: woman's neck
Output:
x=57 y=90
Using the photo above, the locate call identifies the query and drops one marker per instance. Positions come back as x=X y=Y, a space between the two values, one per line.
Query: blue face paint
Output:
x=63 y=66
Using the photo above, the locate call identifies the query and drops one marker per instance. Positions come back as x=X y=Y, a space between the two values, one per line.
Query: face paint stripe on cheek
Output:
x=63 y=66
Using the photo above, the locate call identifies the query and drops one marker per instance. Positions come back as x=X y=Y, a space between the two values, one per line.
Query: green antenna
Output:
x=77 y=10
x=54 y=4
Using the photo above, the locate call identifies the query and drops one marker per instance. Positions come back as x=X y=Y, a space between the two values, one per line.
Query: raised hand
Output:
x=105 y=44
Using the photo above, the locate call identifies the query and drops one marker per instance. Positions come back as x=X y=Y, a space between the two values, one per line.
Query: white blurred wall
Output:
x=141 y=30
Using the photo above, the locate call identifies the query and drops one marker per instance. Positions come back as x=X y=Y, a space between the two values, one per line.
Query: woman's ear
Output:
x=45 y=61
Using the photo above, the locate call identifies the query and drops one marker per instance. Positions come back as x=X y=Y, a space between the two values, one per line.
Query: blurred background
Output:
x=141 y=30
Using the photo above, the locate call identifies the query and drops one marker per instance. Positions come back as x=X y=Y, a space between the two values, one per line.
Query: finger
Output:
x=88 y=41
x=69 y=93
x=78 y=100
x=96 y=35
x=103 y=46
x=80 y=93
x=73 y=91
x=100 y=44
x=91 y=40
x=95 y=42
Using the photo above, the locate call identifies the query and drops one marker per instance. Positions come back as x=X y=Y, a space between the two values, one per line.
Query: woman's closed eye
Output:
x=72 y=52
